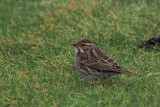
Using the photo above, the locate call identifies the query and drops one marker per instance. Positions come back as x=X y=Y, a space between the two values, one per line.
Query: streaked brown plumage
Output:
x=93 y=64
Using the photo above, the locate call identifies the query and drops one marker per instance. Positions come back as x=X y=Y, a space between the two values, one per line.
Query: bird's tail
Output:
x=132 y=74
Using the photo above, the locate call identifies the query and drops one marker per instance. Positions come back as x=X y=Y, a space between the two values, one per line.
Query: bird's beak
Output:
x=74 y=44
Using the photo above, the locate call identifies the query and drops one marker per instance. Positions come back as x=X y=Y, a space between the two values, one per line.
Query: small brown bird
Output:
x=93 y=64
x=150 y=42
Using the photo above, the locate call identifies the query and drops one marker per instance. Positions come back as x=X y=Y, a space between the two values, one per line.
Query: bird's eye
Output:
x=83 y=45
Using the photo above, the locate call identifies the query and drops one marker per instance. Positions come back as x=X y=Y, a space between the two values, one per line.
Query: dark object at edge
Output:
x=148 y=43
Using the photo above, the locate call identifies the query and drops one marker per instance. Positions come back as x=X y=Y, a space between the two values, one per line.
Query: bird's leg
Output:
x=92 y=83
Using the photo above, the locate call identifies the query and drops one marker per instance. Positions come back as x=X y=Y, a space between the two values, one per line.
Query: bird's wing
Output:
x=101 y=62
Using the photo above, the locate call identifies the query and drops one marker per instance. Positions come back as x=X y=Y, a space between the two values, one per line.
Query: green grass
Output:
x=36 y=56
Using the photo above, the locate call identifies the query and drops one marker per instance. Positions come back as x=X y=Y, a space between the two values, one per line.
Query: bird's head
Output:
x=82 y=45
